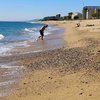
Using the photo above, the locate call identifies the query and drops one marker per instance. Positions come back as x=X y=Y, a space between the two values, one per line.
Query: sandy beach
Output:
x=70 y=72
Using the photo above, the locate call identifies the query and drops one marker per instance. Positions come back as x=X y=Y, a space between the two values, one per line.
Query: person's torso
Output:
x=42 y=28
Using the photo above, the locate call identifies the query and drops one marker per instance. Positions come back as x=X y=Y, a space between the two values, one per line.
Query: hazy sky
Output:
x=30 y=9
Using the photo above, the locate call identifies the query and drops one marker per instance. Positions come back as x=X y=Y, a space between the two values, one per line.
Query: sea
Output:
x=19 y=34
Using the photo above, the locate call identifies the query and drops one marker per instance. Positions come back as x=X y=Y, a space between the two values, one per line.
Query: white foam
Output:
x=47 y=33
x=35 y=29
x=1 y=36
x=52 y=28
x=3 y=50
x=28 y=30
x=35 y=22
x=6 y=66
x=7 y=82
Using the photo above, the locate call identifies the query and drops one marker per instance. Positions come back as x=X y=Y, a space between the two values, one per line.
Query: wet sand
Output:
x=71 y=72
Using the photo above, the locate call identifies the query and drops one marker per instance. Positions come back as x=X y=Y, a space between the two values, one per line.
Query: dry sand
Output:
x=69 y=73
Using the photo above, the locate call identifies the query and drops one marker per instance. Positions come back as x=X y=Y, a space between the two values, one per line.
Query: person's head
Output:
x=46 y=25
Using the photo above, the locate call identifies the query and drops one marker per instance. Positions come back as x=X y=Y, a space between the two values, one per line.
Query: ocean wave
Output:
x=28 y=30
x=1 y=36
x=35 y=22
x=47 y=33
x=52 y=28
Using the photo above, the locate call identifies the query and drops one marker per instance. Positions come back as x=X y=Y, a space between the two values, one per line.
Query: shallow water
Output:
x=9 y=77
x=20 y=35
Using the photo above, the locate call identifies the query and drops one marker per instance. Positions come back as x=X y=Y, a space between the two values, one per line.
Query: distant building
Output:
x=57 y=17
x=91 y=12
x=74 y=15
x=49 y=18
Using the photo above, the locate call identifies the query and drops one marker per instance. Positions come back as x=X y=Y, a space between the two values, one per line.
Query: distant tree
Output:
x=70 y=14
x=84 y=11
x=98 y=11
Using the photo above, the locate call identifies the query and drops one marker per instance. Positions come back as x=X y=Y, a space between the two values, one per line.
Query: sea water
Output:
x=14 y=34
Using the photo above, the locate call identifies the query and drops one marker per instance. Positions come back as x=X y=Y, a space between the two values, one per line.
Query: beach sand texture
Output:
x=68 y=73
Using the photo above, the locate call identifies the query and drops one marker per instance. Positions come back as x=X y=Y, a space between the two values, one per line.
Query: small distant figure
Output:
x=42 y=31
x=78 y=25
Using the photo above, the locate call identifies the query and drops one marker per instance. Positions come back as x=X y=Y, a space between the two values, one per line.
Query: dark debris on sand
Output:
x=72 y=59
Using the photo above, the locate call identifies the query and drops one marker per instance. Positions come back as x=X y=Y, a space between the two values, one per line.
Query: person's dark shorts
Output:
x=41 y=33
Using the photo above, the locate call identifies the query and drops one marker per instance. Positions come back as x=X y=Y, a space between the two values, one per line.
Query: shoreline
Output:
x=70 y=73
x=51 y=41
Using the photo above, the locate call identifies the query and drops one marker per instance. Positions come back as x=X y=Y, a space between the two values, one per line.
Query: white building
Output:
x=74 y=15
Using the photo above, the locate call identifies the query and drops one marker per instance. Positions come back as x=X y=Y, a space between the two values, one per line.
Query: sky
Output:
x=17 y=10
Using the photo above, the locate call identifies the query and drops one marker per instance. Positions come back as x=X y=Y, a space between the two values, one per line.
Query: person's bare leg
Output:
x=42 y=37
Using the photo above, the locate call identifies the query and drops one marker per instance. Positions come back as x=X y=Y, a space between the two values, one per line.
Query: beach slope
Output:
x=68 y=73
